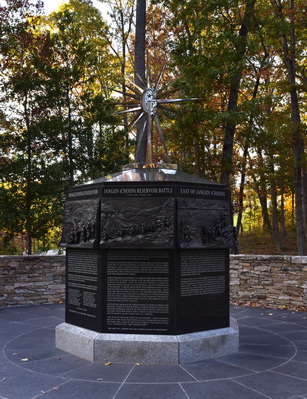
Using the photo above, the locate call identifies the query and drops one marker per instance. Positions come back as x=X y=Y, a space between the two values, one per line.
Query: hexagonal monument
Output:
x=148 y=268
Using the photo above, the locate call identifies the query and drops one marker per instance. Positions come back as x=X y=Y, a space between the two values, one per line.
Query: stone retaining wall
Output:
x=31 y=280
x=268 y=280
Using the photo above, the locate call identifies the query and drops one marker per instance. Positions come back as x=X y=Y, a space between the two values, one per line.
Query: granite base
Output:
x=154 y=349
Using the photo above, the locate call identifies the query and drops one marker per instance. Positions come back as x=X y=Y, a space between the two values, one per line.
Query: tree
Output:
x=240 y=50
x=211 y=42
x=82 y=69
x=57 y=86
x=288 y=41
x=229 y=54
x=22 y=139
x=122 y=15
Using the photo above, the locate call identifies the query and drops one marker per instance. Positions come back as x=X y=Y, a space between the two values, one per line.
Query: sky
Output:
x=53 y=5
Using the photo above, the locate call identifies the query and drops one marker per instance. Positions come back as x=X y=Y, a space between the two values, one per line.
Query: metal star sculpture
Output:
x=147 y=103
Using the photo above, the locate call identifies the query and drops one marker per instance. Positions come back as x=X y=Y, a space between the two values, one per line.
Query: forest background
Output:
x=64 y=75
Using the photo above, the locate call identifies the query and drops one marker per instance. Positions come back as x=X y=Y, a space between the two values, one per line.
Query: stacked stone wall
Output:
x=31 y=280
x=266 y=280
x=269 y=280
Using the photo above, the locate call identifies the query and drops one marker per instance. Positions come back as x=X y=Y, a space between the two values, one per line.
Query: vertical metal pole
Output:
x=149 y=137
x=139 y=71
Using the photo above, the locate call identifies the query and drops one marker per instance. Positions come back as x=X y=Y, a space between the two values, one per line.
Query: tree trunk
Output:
x=246 y=145
x=234 y=94
x=275 y=227
x=28 y=222
x=265 y=212
x=260 y=188
x=293 y=210
x=298 y=180
x=289 y=53
x=140 y=75
x=264 y=206
x=70 y=140
x=241 y=200
x=305 y=201
x=123 y=74
x=282 y=218
x=239 y=226
x=246 y=149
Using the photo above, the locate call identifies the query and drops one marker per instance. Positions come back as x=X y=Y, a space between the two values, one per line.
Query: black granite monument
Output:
x=148 y=252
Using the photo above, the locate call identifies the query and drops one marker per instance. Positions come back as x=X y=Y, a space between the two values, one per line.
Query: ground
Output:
x=259 y=242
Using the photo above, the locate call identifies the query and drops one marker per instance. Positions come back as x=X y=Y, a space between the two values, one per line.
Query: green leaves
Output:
x=55 y=128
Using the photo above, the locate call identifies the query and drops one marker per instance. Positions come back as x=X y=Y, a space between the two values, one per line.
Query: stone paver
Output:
x=271 y=363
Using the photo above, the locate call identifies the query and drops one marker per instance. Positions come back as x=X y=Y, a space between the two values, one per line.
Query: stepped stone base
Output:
x=141 y=348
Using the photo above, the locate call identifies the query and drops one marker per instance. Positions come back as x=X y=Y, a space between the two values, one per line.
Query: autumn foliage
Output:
x=60 y=81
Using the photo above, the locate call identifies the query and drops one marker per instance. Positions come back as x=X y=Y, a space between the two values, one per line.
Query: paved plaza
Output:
x=272 y=362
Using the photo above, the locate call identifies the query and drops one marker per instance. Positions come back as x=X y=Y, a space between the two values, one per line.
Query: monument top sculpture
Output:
x=146 y=104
